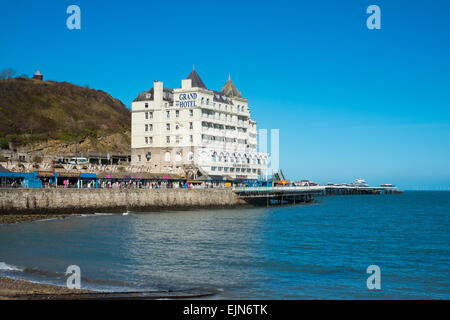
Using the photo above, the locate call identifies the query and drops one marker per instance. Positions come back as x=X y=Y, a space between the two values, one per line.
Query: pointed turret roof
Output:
x=196 y=81
x=230 y=89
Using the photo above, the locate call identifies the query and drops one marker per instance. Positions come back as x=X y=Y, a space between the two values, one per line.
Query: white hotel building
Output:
x=194 y=131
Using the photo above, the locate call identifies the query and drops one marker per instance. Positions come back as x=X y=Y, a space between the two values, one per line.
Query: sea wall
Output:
x=38 y=201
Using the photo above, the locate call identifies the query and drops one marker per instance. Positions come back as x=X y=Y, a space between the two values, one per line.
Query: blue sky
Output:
x=348 y=101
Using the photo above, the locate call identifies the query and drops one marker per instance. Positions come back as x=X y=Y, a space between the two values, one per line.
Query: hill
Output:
x=59 y=117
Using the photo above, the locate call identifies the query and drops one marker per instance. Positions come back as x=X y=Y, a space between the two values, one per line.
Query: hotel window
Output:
x=139 y=158
x=168 y=126
x=178 y=156
x=207 y=102
x=168 y=114
x=177 y=139
x=190 y=156
x=151 y=114
x=213 y=168
x=150 y=127
x=148 y=156
x=177 y=113
x=167 y=156
x=146 y=140
x=203 y=100
x=191 y=138
x=168 y=139
x=191 y=113
x=146 y=105
x=150 y=139
x=146 y=116
x=146 y=127
x=177 y=127
x=191 y=125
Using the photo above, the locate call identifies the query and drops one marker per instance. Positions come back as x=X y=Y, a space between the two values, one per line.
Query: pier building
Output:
x=196 y=130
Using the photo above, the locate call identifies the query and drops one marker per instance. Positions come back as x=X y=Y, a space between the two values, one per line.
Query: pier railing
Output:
x=279 y=189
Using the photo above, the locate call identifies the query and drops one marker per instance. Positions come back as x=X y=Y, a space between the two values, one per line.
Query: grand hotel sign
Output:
x=186 y=100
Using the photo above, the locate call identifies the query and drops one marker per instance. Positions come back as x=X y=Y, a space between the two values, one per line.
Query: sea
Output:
x=314 y=251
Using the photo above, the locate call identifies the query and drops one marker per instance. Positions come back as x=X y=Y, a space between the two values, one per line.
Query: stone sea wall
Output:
x=37 y=201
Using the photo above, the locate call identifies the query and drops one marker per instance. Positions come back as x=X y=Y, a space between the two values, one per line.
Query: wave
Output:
x=9 y=267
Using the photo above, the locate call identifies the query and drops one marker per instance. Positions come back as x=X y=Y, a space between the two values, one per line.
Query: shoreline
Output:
x=13 y=218
x=14 y=289
x=18 y=218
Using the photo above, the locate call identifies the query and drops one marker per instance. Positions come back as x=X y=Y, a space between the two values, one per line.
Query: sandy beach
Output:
x=11 y=289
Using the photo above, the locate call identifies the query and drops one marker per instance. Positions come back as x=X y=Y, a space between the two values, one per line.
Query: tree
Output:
x=7 y=73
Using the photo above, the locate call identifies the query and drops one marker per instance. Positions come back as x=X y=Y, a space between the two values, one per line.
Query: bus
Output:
x=78 y=161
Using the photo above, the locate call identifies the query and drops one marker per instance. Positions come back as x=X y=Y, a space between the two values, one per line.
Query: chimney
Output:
x=186 y=84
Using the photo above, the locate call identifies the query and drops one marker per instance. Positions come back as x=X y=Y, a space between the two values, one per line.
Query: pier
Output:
x=354 y=190
x=267 y=196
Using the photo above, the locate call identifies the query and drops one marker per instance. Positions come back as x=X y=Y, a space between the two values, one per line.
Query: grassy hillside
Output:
x=55 y=116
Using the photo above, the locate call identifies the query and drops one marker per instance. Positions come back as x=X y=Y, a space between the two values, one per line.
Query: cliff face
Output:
x=59 y=117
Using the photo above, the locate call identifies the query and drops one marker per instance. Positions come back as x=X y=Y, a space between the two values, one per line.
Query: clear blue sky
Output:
x=348 y=101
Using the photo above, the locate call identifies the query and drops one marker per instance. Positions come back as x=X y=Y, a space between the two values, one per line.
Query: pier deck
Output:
x=266 y=196
x=353 y=190
x=279 y=195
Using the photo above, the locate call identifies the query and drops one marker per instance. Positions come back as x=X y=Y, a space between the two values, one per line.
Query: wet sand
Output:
x=16 y=218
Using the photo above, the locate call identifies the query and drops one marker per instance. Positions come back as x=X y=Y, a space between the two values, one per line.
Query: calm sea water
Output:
x=318 y=251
